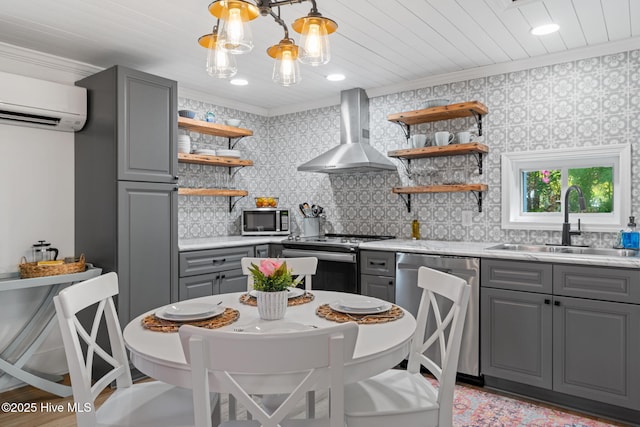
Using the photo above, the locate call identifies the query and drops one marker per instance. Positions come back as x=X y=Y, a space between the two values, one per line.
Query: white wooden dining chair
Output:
x=304 y=267
x=405 y=398
x=226 y=358
x=151 y=403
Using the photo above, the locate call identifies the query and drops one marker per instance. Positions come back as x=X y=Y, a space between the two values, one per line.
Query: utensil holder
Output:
x=310 y=227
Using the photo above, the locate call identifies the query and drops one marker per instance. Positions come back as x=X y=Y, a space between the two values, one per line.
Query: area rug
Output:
x=474 y=407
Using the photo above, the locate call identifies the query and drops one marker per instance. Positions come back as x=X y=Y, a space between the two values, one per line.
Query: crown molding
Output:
x=44 y=66
x=510 y=67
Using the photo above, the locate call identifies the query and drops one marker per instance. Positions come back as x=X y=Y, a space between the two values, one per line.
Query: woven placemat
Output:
x=154 y=323
x=302 y=299
x=392 y=314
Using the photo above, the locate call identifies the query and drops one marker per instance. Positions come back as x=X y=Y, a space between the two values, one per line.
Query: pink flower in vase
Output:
x=268 y=266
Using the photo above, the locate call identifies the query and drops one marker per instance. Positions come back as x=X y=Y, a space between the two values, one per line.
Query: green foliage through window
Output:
x=543 y=189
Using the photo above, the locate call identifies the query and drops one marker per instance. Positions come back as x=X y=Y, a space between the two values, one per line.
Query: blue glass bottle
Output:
x=631 y=237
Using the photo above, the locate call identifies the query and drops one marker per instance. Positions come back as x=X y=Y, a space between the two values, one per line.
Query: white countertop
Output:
x=226 y=242
x=438 y=247
x=480 y=250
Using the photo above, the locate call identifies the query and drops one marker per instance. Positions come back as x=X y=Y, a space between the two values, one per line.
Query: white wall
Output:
x=36 y=202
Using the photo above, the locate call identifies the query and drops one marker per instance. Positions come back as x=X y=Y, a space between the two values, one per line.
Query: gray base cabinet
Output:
x=212 y=272
x=517 y=336
x=575 y=331
x=378 y=275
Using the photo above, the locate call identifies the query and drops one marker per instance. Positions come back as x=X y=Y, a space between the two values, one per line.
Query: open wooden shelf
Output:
x=214 y=129
x=445 y=150
x=435 y=114
x=454 y=188
x=202 y=159
x=212 y=192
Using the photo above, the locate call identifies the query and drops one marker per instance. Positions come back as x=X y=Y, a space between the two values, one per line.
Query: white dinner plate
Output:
x=189 y=311
x=229 y=153
x=293 y=292
x=360 y=305
x=274 y=327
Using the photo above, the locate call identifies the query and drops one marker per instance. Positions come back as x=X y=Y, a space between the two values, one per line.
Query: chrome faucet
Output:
x=566 y=225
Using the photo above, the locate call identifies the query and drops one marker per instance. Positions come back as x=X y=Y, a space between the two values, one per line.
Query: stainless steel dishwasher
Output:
x=408 y=296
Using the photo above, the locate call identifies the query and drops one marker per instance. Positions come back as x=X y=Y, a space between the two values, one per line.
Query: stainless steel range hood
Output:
x=354 y=154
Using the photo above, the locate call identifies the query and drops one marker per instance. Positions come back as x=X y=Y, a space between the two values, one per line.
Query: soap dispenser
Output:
x=631 y=237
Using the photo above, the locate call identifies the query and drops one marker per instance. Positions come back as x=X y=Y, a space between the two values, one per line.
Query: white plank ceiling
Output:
x=379 y=43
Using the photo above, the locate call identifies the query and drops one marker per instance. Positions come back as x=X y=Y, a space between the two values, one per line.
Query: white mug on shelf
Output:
x=418 y=141
x=464 y=137
x=443 y=138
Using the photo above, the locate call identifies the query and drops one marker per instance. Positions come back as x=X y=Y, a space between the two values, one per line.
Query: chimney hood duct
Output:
x=354 y=154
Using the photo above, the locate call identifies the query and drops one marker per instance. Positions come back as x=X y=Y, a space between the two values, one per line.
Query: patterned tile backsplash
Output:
x=594 y=101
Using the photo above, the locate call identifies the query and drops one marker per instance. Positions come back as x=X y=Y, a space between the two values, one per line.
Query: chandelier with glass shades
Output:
x=232 y=36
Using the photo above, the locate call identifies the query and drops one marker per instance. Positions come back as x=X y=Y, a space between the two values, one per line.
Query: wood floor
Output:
x=47 y=418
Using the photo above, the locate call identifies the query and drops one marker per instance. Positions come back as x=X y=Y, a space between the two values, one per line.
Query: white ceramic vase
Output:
x=272 y=305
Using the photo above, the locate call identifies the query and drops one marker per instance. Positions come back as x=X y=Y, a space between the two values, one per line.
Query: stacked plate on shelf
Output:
x=183 y=312
x=184 y=144
x=206 y=152
x=229 y=153
x=360 y=305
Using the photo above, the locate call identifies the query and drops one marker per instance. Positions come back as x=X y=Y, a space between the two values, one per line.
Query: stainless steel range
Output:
x=337 y=258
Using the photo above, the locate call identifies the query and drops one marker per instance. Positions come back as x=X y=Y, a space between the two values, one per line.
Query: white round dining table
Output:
x=379 y=346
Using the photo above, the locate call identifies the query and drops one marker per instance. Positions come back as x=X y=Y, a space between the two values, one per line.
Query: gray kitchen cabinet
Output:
x=517 y=336
x=262 y=251
x=597 y=350
x=212 y=271
x=275 y=250
x=377 y=274
x=147 y=258
x=125 y=192
x=577 y=340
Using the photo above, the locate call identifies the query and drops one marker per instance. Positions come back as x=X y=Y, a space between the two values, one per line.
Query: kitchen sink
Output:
x=580 y=250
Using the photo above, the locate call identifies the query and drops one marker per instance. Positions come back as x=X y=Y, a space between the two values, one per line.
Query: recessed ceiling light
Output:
x=239 y=82
x=335 y=77
x=545 y=29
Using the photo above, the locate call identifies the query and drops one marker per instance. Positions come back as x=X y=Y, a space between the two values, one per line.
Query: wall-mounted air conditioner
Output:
x=25 y=101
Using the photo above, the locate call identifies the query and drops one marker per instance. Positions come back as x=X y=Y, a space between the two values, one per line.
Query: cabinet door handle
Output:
x=215 y=261
x=176 y=177
x=547 y=301
x=556 y=303
x=390 y=282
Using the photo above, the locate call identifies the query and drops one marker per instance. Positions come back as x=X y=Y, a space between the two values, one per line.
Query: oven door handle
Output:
x=321 y=255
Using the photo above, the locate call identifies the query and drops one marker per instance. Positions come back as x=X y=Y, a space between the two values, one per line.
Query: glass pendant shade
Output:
x=220 y=63
x=235 y=33
x=286 y=70
x=314 y=42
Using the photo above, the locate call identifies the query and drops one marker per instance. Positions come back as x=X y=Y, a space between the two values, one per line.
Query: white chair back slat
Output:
x=301 y=268
x=98 y=290
x=223 y=357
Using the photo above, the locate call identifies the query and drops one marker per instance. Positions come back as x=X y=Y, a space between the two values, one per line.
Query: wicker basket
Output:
x=32 y=269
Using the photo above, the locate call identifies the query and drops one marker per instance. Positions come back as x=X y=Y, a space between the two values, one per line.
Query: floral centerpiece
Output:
x=271 y=275
x=270 y=281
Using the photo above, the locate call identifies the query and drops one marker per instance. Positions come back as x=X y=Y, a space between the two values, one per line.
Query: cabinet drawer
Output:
x=199 y=286
x=212 y=260
x=516 y=275
x=611 y=284
x=378 y=263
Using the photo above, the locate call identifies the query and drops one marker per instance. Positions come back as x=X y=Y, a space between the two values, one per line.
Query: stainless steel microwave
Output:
x=265 y=221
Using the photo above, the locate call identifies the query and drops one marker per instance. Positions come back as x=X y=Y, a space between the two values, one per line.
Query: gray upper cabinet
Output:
x=147 y=127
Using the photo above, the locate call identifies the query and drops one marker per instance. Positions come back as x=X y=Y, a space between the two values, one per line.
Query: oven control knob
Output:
x=296 y=237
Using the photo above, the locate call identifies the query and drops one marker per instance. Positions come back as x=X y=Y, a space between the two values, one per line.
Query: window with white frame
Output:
x=534 y=184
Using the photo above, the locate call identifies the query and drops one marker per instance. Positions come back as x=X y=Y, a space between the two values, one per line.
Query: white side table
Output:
x=36 y=330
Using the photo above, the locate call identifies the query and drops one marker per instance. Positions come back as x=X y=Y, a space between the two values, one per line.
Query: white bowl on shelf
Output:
x=206 y=152
x=233 y=122
x=229 y=153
